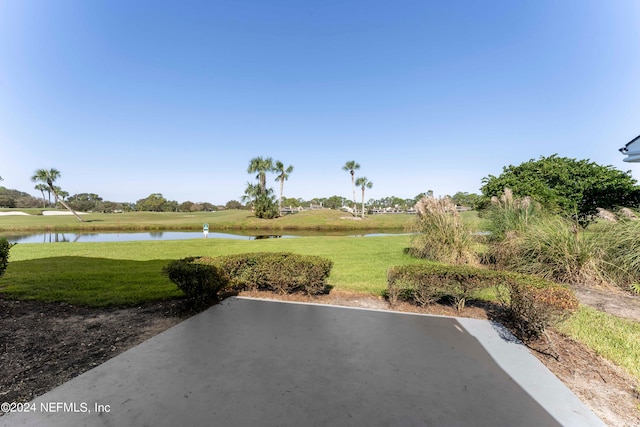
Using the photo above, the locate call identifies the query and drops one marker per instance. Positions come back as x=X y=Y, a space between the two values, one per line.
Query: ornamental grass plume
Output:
x=440 y=234
x=606 y=215
x=627 y=213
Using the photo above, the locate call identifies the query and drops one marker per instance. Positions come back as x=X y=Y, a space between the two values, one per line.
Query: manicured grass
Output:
x=120 y=273
x=615 y=339
x=324 y=219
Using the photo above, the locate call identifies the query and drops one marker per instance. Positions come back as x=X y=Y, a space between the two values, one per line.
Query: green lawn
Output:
x=120 y=273
x=611 y=337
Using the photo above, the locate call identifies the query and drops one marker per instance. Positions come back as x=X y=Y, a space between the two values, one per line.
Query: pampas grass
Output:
x=440 y=233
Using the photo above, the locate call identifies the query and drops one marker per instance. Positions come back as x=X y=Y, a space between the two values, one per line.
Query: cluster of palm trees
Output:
x=259 y=194
x=46 y=178
x=351 y=166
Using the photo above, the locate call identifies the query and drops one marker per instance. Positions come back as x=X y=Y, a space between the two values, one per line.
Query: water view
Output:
x=57 y=237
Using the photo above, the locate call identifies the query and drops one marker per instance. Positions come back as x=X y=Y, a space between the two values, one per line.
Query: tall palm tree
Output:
x=261 y=166
x=283 y=175
x=49 y=177
x=351 y=166
x=363 y=182
x=42 y=188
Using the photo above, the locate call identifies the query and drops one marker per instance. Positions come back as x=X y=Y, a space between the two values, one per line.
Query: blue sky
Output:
x=175 y=97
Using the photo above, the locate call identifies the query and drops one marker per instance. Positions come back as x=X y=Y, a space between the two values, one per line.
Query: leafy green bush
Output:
x=534 y=303
x=281 y=272
x=198 y=280
x=440 y=235
x=427 y=283
x=4 y=254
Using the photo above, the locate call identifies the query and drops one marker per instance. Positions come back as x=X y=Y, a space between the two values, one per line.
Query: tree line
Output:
x=574 y=188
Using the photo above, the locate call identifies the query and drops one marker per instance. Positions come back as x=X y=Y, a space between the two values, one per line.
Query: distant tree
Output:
x=292 y=202
x=283 y=175
x=471 y=200
x=351 y=166
x=170 y=206
x=261 y=166
x=49 y=177
x=233 y=204
x=155 y=202
x=571 y=187
x=87 y=202
x=363 y=183
x=6 y=201
x=42 y=188
x=263 y=202
x=186 y=206
x=335 y=202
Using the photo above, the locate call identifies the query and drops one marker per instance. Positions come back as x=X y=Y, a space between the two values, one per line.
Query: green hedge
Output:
x=4 y=254
x=281 y=272
x=534 y=303
x=199 y=281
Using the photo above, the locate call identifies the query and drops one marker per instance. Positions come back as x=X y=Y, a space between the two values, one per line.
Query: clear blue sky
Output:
x=128 y=98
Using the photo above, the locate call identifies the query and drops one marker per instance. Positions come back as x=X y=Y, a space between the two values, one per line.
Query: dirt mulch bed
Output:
x=46 y=344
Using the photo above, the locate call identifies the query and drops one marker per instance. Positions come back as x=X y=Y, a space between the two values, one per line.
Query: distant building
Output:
x=632 y=150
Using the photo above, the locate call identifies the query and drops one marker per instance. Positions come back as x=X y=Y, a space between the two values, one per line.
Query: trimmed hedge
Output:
x=281 y=272
x=534 y=303
x=198 y=280
x=4 y=254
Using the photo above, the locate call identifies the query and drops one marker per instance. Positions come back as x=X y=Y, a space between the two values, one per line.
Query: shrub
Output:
x=534 y=303
x=440 y=234
x=4 y=254
x=427 y=283
x=281 y=272
x=198 y=280
x=552 y=248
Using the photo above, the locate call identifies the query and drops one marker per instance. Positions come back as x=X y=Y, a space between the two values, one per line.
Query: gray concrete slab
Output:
x=251 y=362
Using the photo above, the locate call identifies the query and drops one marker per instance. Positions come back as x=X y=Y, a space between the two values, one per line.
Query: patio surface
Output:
x=248 y=362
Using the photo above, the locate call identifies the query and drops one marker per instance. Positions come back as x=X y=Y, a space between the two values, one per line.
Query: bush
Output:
x=281 y=272
x=198 y=280
x=440 y=234
x=425 y=284
x=4 y=254
x=552 y=248
x=534 y=303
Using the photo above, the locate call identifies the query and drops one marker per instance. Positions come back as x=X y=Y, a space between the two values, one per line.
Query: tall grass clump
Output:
x=553 y=248
x=507 y=214
x=527 y=239
x=620 y=249
x=440 y=234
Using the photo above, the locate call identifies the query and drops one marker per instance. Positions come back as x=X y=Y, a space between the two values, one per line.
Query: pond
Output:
x=122 y=236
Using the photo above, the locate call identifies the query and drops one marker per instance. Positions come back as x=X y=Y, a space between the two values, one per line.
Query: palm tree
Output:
x=261 y=166
x=283 y=175
x=363 y=182
x=351 y=166
x=42 y=188
x=49 y=177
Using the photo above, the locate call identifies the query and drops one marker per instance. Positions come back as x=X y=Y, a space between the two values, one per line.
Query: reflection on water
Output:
x=57 y=237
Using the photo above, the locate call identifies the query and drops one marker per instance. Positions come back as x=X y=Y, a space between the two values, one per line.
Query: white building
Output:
x=632 y=150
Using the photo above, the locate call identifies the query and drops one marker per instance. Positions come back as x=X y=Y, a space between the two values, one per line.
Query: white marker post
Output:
x=205 y=230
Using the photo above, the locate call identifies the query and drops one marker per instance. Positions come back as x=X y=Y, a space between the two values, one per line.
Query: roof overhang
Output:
x=632 y=150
